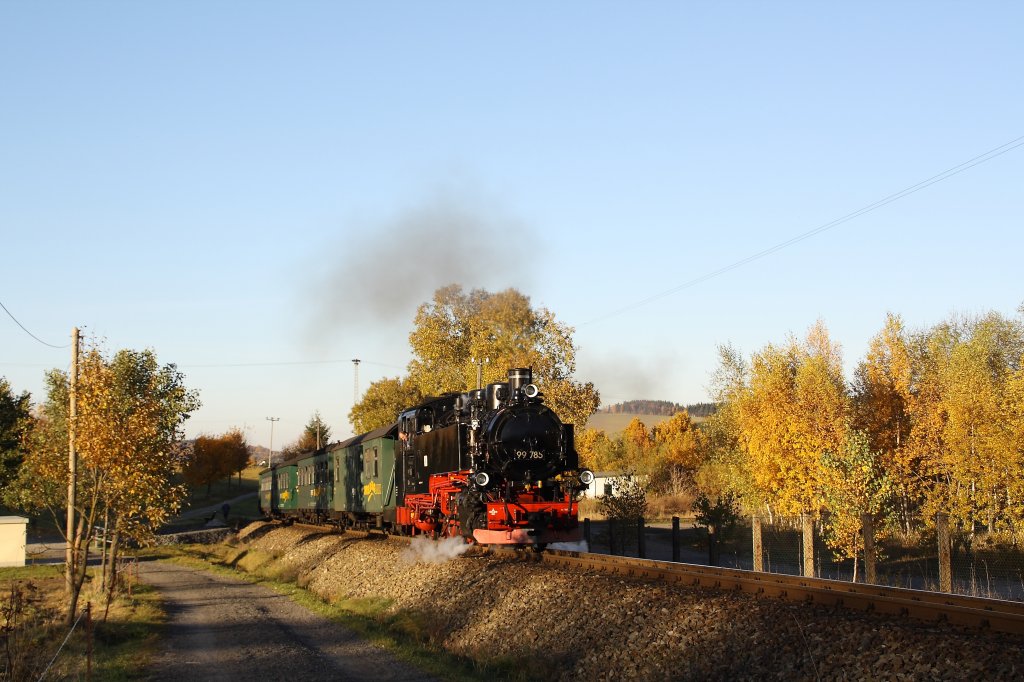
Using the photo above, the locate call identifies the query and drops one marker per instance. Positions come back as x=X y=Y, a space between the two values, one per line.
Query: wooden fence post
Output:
x=88 y=641
x=945 y=558
x=712 y=545
x=807 y=525
x=867 y=524
x=641 y=538
x=755 y=526
x=675 y=539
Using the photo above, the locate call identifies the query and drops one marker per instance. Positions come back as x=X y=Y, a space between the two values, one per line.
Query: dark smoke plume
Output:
x=380 y=273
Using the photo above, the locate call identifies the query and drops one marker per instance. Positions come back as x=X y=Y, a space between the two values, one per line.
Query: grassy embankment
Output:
x=32 y=611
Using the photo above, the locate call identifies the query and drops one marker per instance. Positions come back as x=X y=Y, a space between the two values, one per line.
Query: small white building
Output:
x=602 y=484
x=12 y=540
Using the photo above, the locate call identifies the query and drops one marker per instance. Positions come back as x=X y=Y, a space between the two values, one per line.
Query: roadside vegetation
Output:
x=121 y=636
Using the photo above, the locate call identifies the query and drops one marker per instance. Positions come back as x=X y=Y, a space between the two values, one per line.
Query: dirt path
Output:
x=224 y=629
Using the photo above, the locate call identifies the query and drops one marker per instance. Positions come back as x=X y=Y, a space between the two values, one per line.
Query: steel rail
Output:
x=975 y=612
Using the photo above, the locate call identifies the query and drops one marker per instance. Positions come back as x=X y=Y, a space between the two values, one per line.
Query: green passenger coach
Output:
x=315 y=485
x=364 y=476
x=285 y=496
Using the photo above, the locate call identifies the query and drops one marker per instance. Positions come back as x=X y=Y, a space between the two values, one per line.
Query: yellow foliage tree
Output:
x=1012 y=437
x=130 y=412
x=794 y=408
x=638 y=447
x=382 y=402
x=854 y=483
x=881 y=410
x=968 y=367
x=589 y=445
x=680 y=452
x=455 y=328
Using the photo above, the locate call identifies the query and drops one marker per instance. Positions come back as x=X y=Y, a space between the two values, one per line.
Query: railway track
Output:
x=974 y=612
x=996 y=615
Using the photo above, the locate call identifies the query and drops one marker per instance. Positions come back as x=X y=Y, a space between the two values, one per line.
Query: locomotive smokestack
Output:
x=519 y=377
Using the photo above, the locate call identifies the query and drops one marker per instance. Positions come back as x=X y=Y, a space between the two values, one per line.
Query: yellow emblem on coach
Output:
x=371 y=489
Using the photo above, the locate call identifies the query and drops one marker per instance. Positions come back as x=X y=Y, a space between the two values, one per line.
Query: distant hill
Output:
x=614 y=424
x=659 y=407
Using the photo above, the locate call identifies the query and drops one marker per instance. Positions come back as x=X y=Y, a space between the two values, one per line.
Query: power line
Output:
x=186 y=365
x=11 y=315
x=944 y=175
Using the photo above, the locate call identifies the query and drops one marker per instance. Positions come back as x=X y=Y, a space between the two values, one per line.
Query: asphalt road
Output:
x=224 y=629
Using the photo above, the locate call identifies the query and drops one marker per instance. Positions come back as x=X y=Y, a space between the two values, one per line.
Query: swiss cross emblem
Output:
x=493 y=512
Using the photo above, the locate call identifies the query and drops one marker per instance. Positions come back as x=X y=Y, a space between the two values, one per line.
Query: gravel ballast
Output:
x=572 y=624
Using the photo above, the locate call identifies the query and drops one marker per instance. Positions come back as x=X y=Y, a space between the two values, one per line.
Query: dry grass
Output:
x=663 y=507
x=32 y=611
x=659 y=507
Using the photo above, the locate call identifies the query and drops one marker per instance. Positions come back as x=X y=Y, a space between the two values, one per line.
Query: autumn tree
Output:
x=590 y=444
x=854 y=482
x=793 y=409
x=216 y=457
x=130 y=414
x=963 y=371
x=678 y=453
x=382 y=402
x=881 y=409
x=15 y=422
x=236 y=452
x=454 y=328
x=1012 y=437
x=203 y=465
x=638 y=447
x=724 y=475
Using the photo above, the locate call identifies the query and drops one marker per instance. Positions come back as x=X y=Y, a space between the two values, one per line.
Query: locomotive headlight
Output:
x=531 y=390
x=481 y=478
x=586 y=477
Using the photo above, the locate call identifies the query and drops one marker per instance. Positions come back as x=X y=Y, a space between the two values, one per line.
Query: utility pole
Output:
x=70 y=554
x=270 y=457
x=355 y=394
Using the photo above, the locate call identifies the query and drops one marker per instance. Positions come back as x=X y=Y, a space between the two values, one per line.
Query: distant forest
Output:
x=661 y=407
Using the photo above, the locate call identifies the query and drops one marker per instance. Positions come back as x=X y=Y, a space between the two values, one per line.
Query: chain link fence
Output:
x=986 y=565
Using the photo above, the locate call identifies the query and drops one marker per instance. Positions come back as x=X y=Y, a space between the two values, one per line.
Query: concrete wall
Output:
x=12 y=540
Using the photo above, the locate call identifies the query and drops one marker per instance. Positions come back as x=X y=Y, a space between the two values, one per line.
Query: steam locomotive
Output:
x=494 y=465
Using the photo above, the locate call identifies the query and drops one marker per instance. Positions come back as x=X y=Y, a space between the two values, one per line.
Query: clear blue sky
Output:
x=250 y=183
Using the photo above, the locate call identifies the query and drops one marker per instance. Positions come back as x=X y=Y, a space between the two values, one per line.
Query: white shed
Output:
x=602 y=484
x=12 y=540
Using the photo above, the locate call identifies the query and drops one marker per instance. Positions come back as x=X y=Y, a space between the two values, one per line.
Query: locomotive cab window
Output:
x=424 y=421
